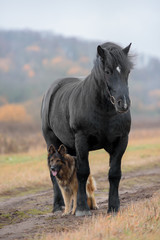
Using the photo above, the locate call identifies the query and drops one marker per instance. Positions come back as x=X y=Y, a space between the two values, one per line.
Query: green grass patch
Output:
x=20 y=158
x=18 y=216
x=35 y=211
x=20 y=192
x=143 y=147
x=126 y=168
x=129 y=183
x=12 y=217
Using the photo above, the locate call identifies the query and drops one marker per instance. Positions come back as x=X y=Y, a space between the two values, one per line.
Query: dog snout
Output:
x=53 y=168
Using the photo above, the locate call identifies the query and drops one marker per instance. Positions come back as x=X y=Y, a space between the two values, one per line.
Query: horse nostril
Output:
x=120 y=103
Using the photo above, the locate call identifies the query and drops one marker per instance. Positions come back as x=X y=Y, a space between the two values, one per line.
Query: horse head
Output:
x=115 y=67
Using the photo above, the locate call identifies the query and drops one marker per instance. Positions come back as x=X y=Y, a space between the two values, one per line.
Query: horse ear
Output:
x=101 y=52
x=51 y=150
x=62 y=150
x=126 y=49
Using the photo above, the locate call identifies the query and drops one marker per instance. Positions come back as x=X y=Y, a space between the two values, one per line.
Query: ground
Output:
x=30 y=216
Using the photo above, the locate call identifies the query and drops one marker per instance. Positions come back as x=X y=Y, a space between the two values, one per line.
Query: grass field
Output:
x=139 y=221
x=29 y=170
x=26 y=174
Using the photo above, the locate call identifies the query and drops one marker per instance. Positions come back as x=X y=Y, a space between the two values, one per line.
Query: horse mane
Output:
x=116 y=57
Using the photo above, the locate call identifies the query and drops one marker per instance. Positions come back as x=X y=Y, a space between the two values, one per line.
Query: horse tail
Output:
x=47 y=102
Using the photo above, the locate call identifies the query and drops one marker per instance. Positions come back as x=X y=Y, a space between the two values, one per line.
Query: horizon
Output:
x=121 y=22
x=142 y=58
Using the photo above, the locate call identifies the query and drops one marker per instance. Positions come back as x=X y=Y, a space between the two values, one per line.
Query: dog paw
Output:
x=65 y=214
x=95 y=207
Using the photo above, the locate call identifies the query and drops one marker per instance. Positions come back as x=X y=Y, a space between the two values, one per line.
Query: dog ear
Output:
x=62 y=150
x=51 y=150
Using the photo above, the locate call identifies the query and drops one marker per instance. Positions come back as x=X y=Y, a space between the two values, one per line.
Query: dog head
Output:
x=56 y=159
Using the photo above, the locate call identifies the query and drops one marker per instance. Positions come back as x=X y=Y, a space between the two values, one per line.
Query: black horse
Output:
x=91 y=114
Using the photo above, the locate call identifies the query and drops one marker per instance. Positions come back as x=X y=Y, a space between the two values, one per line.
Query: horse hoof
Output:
x=83 y=213
x=112 y=211
x=57 y=208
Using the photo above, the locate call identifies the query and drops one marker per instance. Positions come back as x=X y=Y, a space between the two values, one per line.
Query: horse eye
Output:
x=108 y=71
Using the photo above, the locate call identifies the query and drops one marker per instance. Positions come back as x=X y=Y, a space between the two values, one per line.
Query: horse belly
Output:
x=64 y=134
x=94 y=142
x=59 y=121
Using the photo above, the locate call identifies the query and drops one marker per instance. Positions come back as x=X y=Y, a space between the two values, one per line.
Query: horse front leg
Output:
x=114 y=175
x=83 y=171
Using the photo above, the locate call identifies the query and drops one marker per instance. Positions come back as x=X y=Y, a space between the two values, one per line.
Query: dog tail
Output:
x=90 y=188
x=91 y=185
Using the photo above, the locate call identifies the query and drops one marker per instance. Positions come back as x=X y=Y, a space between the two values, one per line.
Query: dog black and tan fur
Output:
x=63 y=167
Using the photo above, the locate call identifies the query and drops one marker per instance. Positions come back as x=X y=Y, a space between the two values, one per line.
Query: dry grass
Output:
x=14 y=113
x=19 y=137
x=28 y=170
x=138 y=221
x=23 y=171
x=143 y=152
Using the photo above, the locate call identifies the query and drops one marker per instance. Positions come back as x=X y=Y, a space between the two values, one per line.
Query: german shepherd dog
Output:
x=63 y=167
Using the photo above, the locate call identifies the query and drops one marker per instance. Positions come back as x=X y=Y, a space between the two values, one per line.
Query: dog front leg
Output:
x=67 y=201
x=74 y=203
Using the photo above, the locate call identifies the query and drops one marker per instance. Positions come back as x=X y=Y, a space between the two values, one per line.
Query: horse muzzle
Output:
x=122 y=104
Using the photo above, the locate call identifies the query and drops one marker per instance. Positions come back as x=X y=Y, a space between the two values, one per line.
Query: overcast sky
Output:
x=120 y=21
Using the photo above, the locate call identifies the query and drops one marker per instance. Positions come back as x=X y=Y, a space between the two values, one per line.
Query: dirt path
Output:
x=27 y=216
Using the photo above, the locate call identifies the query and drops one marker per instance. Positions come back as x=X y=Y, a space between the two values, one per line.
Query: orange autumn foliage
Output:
x=5 y=64
x=84 y=59
x=14 y=113
x=74 y=70
x=155 y=93
x=33 y=48
x=57 y=60
x=77 y=70
x=29 y=70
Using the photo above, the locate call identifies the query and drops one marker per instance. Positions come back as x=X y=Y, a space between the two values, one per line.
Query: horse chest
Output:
x=105 y=130
x=118 y=127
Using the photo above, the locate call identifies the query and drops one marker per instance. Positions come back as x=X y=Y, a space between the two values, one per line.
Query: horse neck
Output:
x=96 y=93
x=95 y=80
